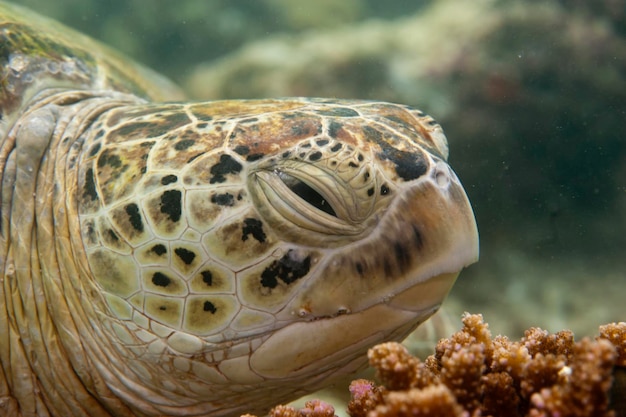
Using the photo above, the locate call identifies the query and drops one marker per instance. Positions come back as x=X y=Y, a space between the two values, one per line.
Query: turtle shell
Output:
x=37 y=53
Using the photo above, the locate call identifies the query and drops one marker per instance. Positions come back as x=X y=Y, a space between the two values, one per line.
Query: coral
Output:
x=365 y=396
x=473 y=374
x=616 y=334
x=434 y=401
x=314 y=408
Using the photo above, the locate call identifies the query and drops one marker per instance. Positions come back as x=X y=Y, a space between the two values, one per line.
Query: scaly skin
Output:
x=204 y=258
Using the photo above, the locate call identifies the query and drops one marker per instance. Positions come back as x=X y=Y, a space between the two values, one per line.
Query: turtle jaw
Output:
x=335 y=346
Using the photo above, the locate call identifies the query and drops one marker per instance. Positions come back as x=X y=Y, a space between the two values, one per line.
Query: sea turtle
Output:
x=203 y=258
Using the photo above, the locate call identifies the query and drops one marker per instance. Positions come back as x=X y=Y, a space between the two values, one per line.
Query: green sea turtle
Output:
x=203 y=258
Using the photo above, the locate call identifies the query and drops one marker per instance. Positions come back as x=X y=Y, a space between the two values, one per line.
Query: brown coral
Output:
x=472 y=374
x=314 y=408
x=616 y=334
x=433 y=401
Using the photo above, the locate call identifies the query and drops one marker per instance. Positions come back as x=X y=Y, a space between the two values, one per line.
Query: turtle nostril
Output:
x=307 y=193
x=442 y=175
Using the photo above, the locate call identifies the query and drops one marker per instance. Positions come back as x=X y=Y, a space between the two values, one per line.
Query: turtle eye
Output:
x=307 y=193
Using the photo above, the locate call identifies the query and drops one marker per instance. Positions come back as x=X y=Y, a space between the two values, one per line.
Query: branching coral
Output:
x=541 y=375
x=472 y=374
x=314 y=408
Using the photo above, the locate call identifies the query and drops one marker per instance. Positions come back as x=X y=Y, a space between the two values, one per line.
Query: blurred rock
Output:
x=172 y=36
x=300 y=15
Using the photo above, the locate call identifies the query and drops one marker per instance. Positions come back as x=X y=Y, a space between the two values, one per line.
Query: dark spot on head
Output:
x=134 y=216
x=210 y=307
x=402 y=256
x=254 y=157
x=301 y=154
x=185 y=255
x=305 y=145
x=396 y=119
x=91 y=232
x=417 y=237
x=107 y=158
x=159 y=249
x=384 y=190
x=242 y=150
x=315 y=156
x=359 y=268
x=203 y=117
x=353 y=165
x=225 y=199
x=160 y=279
x=90 y=186
x=194 y=157
x=171 y=204
x=360 y=157
x=202 y=125
x=169 y=179
x=226 y=165
x=95 y=149
x=286 y=154
x=99 y=134
x=338 y=112
x=336 y=147
x=113 y=235
x=333 y=128
x=253 y=227
x=288 y=269
x=162 y=308
x=207 y=277
x=184 y=144
x=322 y=142
x=366 y=176
x=432 y=122
x=409 y=165
x=370 y=192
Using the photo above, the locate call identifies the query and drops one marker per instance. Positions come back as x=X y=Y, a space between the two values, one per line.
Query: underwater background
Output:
x=531 y=95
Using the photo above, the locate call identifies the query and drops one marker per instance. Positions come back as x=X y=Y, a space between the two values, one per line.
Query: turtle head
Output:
x=378 y=228
x=267 y=243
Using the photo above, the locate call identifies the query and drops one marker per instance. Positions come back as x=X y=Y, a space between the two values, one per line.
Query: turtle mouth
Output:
x=341 y=340
x=420 y=297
